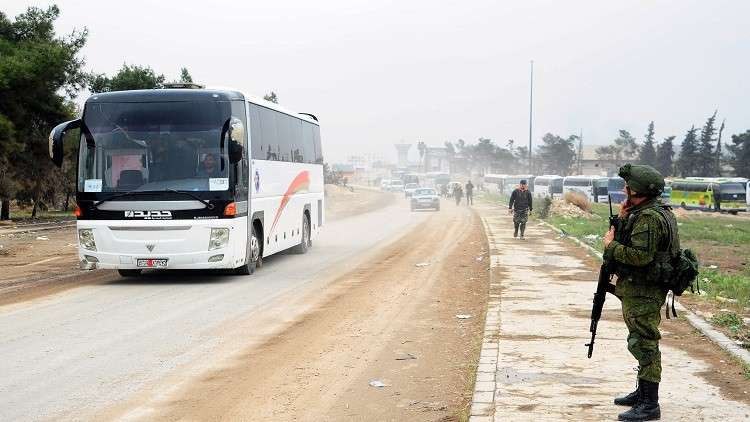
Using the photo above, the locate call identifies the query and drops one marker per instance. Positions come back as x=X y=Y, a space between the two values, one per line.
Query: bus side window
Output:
x=256 y=138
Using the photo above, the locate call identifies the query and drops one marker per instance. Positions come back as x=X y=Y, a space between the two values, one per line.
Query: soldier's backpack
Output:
x=682 y=271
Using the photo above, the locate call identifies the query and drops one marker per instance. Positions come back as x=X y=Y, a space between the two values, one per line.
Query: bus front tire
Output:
x=305 y=242
x=129 y=273
x=252 y=256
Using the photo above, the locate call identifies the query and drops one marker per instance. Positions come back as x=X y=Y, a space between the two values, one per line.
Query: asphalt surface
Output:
x=73 y=354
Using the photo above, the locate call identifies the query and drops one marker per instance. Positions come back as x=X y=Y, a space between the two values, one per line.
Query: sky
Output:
x=382 y=72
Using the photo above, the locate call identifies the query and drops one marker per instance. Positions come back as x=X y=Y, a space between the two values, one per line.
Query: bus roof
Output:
x=188 y=94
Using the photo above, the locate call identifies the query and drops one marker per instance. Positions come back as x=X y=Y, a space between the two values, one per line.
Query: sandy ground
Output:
x=37 y=261
x=543 y=372
x=390 y=320
x=342 y=202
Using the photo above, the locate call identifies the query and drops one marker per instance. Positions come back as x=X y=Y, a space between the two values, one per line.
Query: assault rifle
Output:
x=603 y=286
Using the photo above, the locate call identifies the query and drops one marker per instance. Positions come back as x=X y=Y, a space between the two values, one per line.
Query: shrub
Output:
x=542 y=209
x=579 y=200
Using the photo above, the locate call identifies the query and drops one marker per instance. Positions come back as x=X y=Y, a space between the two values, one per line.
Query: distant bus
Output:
x=548 y=185
x=594 y=187
x=509 y=183
x=616 y=189
x=703 y=193
x=494 y=179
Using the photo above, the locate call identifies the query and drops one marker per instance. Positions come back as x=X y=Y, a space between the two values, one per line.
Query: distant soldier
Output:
x=641 y=257
x=458 y=193
x=520 y=206
x=469 y=193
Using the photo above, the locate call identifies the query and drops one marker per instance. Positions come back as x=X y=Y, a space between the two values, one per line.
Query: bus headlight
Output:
x=219 y=238
x=86 y=239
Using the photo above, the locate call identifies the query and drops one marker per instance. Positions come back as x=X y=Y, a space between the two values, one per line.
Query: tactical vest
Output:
x=661 y=267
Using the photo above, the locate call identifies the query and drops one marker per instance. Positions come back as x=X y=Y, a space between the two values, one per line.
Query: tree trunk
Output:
x=67 y=202
x=5 y=209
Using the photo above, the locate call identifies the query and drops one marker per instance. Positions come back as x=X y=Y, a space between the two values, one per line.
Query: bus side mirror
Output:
x=236 y=140
x=56 y=140
x=235 y=152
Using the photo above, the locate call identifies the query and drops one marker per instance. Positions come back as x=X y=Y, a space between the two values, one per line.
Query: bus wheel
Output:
x=683 y=205
x=129 y=273
x=252 y=256
x=305 y=243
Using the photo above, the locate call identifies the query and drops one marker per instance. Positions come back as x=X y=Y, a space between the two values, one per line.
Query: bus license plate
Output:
x=151 y=263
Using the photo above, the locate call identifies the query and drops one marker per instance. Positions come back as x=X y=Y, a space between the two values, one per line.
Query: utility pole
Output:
x=580 y=153
x=531 y=108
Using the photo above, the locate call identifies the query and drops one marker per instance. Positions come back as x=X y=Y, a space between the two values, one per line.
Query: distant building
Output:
x=436 y=159
x=592 y=165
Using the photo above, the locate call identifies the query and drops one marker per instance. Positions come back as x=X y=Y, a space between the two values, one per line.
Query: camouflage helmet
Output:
x=643 y=179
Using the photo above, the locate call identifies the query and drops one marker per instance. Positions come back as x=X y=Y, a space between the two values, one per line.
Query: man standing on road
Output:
x=458 y=193
x=520 y=206
x=641 y=254
x=469 y=193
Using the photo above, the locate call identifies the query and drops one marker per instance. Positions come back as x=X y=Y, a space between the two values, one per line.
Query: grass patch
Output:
x=725 y=287
x=25 y=214
x=723 y=240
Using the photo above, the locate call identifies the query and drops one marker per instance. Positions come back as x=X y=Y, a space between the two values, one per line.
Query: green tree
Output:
x=665 y=156
x=706 y=160
x=40 y=72
x=127 y=78
x=647 y=152
x=688 y=154
x=626 y=145
x=271 y=97
x=719 y=153
x=557 y=154
x=739 y=154
x=185 y=76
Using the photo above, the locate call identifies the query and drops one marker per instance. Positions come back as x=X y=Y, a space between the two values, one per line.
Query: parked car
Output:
x=410 y=188
x=425 y=198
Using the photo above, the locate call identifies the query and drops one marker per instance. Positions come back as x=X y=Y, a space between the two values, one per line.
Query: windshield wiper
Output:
x=120 y=195
x=145 y=192
x=202 y=201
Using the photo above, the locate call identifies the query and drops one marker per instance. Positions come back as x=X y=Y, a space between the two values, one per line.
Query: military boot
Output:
x=632 y=398
x=647 y=408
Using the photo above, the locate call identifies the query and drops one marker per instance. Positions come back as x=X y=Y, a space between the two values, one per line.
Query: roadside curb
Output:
x=696 y=321
x=483 y=399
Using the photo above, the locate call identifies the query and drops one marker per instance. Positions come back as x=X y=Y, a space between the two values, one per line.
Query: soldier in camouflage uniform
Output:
x=640 y=254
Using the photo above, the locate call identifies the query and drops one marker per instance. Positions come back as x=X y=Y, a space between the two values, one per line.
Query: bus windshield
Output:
x=616 y=184
x=155 y=146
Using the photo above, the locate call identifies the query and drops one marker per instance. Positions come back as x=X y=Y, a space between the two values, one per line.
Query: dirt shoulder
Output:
x=389 y=321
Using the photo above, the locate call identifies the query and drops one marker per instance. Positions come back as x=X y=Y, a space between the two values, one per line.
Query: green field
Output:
x=722 y=244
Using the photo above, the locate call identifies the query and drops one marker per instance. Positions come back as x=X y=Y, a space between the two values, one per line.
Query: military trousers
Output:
x=642 y=316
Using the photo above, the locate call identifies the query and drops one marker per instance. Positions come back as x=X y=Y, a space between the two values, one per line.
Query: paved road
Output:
x=68 y=356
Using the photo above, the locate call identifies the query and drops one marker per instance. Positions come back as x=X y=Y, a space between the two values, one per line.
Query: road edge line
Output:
x=698 y=322
x=485 y=386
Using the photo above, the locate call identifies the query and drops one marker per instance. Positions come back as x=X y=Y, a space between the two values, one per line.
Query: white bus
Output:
x=493 y=182
x=511 y=182
x=548 y=185
x=192 y=179
x=594 y=187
